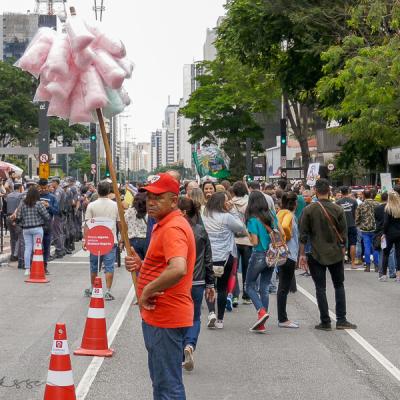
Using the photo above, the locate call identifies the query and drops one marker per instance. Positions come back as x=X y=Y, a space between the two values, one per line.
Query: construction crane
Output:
x=98 y=9
x=50 y=7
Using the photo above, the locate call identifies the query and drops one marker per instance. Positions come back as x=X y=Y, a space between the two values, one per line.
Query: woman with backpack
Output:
x=32 y=216
x=288 y=221
x=260 y=220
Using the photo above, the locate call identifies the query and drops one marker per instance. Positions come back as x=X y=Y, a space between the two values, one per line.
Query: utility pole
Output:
x=283 y=148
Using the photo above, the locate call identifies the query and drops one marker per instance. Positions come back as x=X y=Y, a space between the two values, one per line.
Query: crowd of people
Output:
x=227 y=244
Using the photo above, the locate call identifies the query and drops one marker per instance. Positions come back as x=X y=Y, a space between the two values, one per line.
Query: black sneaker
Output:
x=345 y=325
x=324 y=326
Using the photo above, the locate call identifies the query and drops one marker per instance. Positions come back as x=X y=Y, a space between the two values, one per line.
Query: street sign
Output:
x=283 y=174
x=331 y=167
x=44 y=158
x=99 y=240
x=44 y=170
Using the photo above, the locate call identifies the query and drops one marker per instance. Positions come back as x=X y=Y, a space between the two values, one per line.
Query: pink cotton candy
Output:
x=84 y=58
x=78 y=107
x=57 y=64
x=112 y=74
x=59 y=108
x=42 y=94
x=78 y=34
x=106 y=42
x=127 y=65
x=93 y=90
x=62 y=88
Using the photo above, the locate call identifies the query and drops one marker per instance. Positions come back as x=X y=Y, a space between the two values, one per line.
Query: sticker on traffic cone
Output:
x=60 y=381
x=37 y=267
x=94 y=341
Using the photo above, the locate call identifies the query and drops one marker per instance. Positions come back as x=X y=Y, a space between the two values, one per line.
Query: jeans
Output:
x=244 y=254
x=359 y=250
x=139 y=245
x=318 y=273
x=192 y=333
x=164 y=348
x=29 y=237
x=368 y=238
x=386 y=253
x=108 y=260
x=258 y=268
x=286 y=274
x=391 y=263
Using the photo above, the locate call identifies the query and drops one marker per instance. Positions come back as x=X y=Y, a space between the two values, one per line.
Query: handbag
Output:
x=219 y=269
x=328 y=217
x=278 y=252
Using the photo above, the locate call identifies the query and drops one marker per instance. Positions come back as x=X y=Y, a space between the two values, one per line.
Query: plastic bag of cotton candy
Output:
x=79 y=71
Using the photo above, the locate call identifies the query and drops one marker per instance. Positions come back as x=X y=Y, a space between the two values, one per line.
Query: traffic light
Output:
x=107 y=172
x=283 y=147
x=93 y=137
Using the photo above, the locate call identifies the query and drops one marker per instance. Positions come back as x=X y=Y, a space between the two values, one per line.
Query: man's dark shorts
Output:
x=352 y=235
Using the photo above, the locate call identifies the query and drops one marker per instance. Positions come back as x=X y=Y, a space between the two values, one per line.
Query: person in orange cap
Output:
x=164 y=287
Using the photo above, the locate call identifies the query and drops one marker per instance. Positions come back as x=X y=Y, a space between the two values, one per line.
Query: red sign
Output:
x=99 y=240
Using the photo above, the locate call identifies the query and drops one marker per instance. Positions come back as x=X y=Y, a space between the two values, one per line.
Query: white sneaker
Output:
x=219 y=324
x=383 y=278
x=211 y=320
x=188 y=364
x=27 y=272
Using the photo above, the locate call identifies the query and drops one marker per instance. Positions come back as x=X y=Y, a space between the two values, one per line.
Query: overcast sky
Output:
x=160 y=36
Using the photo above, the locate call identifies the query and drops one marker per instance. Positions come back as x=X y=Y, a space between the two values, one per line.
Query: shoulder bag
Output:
x=332 y=224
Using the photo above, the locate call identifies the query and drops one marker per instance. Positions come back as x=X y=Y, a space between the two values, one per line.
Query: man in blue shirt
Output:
x=50 y=202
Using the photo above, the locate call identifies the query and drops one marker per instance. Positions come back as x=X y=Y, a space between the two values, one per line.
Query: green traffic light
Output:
x=283 y=140
x=93 y=137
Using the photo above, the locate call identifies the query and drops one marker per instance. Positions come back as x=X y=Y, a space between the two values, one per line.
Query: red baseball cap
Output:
x=162 y=183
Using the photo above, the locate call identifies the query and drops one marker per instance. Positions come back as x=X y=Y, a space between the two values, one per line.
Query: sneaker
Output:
x=108 y=296
x=219 y=324
x=188 y=364
x=229 y=303
x=247 y=301
x=324 y=326
x=383 y=278
x=88 y=293
x=357 y=261
x=260 y=329
x=27 y=272
x=393 y=276
x=46 y=271
x=211 y=320
x=289 y=324
x=261 y=318
x=345 y=325
x=235 y=302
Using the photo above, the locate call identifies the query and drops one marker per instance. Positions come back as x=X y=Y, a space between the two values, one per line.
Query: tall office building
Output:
x=141 y=157
x=156 y=149
x=17 y=30
x=171 y=136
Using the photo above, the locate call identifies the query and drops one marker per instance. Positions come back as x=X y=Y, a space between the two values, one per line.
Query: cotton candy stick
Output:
x=112 y=74
x=93 y=90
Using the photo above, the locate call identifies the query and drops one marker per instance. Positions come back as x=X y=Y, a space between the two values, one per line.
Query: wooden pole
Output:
x=124 y=226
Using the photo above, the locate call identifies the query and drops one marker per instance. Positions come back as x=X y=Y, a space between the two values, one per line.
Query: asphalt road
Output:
x=230 y=364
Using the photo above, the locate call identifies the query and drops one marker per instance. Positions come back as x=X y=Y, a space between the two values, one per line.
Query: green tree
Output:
x=80 y=162
x=18 y=115
x=285 y=39
x=222 y=108
x=360 y=89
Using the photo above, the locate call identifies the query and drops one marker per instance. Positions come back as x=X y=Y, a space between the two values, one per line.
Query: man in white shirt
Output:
x=103 y=208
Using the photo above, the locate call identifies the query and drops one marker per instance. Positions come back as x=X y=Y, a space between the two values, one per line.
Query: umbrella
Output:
x=6 y=167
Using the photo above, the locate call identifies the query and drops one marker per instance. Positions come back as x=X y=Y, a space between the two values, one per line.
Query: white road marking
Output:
x=69 y=262
x=94 y=367
x=360 y=340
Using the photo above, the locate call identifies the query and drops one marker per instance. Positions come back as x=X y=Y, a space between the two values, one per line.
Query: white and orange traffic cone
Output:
x=60 y=381
x=94 y=341
x=37 y=274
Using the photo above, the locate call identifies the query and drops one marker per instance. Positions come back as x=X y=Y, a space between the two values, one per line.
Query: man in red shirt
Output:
x=164 y=287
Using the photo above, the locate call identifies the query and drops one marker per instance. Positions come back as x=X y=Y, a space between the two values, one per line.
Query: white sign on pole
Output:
x=386 y=182
x=312 y=174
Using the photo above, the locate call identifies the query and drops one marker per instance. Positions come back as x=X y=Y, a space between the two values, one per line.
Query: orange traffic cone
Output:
x=94 y=341
x=60 y=382
x=37 y=267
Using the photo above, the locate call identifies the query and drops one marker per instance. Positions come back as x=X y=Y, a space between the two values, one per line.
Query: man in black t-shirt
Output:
x=349 y=206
